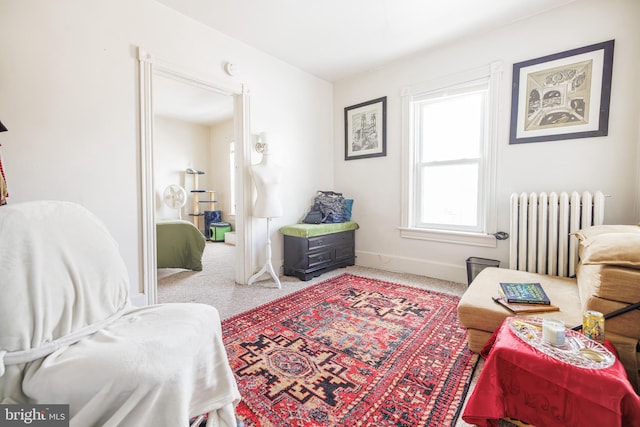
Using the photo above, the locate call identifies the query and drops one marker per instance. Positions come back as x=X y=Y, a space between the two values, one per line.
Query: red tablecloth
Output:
x=521 y=382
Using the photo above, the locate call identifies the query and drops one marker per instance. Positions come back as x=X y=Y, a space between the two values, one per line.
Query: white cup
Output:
x=553 y=332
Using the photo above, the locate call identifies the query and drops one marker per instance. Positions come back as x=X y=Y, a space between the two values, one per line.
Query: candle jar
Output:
x=553 y=332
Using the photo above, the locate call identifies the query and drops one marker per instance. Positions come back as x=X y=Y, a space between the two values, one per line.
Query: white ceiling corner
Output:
x=336 y=39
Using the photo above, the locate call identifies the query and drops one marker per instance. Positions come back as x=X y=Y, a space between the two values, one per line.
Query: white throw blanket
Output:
x=69 y=335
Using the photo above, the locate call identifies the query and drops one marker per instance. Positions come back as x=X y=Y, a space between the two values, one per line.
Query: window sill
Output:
x=456 y=237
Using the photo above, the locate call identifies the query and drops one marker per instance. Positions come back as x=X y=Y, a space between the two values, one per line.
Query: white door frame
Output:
x=150 y=66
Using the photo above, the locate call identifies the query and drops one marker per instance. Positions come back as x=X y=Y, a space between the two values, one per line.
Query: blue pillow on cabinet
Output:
x=348 y=206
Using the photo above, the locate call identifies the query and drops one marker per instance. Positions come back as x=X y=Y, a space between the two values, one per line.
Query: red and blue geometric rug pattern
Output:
x=351 y=351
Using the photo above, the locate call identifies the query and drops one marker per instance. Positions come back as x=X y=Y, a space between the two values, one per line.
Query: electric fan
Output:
x=175 y=197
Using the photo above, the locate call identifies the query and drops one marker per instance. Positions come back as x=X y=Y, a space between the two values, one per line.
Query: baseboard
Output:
x=452 y=272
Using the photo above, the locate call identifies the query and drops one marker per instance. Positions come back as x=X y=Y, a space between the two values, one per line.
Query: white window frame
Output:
x=491 y=73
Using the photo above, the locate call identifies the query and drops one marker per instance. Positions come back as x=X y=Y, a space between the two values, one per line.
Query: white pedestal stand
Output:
x=268 y=267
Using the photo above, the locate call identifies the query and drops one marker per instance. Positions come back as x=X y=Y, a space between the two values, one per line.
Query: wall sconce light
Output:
x=262 y=142
x=2 y=128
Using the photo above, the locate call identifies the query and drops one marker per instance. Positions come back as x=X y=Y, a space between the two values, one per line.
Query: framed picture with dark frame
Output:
x=365 y=129
x=562 y=96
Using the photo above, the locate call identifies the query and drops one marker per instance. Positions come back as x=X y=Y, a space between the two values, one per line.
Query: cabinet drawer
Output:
x=333 y=239
x=318 y=259
x=307 y=257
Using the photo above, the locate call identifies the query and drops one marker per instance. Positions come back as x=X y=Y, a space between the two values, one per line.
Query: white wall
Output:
x=607 y=163
x=69 y=96
x=221 y=136
x=178 y=145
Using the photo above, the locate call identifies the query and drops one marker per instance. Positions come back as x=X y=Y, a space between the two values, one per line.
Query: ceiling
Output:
x=194 y=104
x=335 y=39
x=332 y=39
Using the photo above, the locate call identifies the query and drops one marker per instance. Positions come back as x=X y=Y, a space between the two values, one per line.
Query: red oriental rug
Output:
x=351 y=351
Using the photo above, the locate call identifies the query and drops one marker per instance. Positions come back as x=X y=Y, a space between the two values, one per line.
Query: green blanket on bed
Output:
x=179 y=244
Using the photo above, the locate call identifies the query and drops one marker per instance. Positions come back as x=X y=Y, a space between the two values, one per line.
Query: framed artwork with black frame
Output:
x=562 y=96
x=365 y=129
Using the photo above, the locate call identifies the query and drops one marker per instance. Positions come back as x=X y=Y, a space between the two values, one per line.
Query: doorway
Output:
x=182 y=88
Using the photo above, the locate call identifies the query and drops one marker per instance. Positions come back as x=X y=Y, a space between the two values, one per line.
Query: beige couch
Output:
x=607 y=279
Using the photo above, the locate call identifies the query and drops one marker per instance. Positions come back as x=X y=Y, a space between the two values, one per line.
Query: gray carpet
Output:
x=215 y=285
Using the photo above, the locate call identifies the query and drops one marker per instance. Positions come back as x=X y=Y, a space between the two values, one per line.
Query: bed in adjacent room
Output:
x=179 y=244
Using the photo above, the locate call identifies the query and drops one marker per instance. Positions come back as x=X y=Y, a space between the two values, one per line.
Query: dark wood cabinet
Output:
x=309 y=257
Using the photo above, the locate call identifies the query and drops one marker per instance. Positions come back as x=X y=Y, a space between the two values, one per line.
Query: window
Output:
x=449 y=142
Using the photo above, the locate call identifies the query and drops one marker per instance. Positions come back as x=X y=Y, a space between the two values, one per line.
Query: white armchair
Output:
x=68 y=334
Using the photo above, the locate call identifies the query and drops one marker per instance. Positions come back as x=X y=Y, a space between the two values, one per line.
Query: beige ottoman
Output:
x=482 y=316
